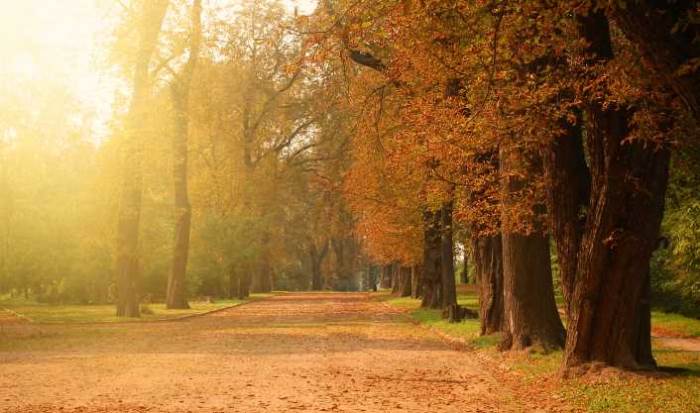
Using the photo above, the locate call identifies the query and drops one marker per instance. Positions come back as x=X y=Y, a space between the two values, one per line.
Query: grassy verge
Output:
x=674 y=389
x=45 y=313
x=467 y=330
x=676 y=324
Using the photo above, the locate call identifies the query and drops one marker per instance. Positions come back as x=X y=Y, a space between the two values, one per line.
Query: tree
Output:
x=150 y=17
x=180 y=86
x=620 y=233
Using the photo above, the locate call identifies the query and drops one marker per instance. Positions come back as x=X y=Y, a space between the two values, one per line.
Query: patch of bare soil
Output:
x=293 y=352
x=679 y=343
x=674 y=340
x=9 y=317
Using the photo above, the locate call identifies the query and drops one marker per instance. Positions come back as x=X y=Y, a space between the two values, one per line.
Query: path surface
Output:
x=293 y=352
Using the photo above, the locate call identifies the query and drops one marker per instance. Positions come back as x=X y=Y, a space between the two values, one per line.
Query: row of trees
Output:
x=259 y=147
x=518 y=121
x=220 y=175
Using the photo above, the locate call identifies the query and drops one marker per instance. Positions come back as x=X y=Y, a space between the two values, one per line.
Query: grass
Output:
x=467 y=329
x=676 y=323
x=674 y=389
x=45 y=313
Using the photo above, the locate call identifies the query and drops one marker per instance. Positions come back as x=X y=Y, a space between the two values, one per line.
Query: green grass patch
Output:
x=685 y=326
x=45 y=313
x=467 y=329
x=674 y=389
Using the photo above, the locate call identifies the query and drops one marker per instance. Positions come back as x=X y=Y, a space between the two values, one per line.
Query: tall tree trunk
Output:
x=372 y=277
x=531 y=312
x=129 y=215
x=432 y=257
x=464 y=277
x=405 y=287
x=385 y=281
x=232 y=283
x=396 y=279
x=531 y=316
x=244 y=281
x=569 y=183
x=449 y=289
x=609 y=304
x=416 y=281
x=488 y=264
x=316 y=257
x=316 y=276
x=176 y=292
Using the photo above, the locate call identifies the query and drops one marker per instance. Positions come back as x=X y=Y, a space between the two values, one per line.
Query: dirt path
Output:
x=294 y=352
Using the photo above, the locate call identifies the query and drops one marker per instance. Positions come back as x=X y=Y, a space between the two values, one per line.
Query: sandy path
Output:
x=293 y=352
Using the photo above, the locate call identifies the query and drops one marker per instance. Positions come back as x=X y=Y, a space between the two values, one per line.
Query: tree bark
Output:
x=530 y=310
x=464 y=277
x=176 y=290
x=432 y=257
x=316 y=259
x=488 y=264
x=316 y=276
x=371 y=278
x=610 y=310
x=385 y=281
x=569 y=183
x=395 y=271
x=405 y=288
x=415 y=281
x=449 y=289
x=531 y=316
x=129 y=215
x=232 y=284
x=244 y=283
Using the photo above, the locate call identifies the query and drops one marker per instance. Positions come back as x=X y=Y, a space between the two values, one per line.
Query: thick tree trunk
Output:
x=488 y=264
x=176 y=291
x=531 y=316
x=416 y=281
x=609 y=305
x=372 y=278
x=609 y=308
x=569 y=183
x=126 y=262
x=432 y=260
x=395 y=279
x=406 y=275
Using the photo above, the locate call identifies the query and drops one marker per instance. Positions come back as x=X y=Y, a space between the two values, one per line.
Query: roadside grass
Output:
x=467 y=330
x=676 y=323
x=672 y=389
x=104 y=313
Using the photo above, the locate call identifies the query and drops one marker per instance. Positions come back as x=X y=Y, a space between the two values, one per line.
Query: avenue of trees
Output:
x=554 y=144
